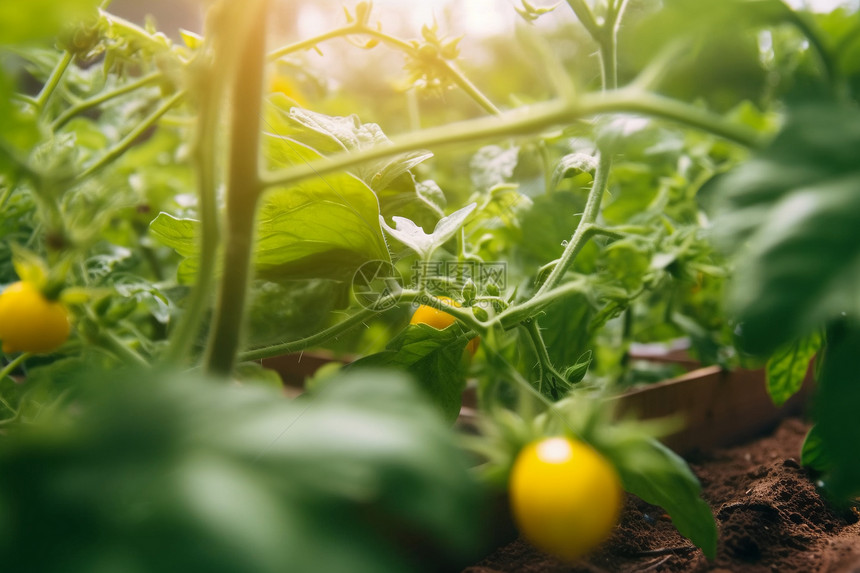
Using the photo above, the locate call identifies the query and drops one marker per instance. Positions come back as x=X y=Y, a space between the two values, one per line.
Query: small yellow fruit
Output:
x=283 y=84
x=29 y=322
x=565 y=496
x=440 y=320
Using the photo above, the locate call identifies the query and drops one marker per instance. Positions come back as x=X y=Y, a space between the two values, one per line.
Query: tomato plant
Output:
x=616 y=173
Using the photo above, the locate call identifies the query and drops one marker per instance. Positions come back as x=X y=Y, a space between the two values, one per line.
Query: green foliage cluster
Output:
x=657 y=172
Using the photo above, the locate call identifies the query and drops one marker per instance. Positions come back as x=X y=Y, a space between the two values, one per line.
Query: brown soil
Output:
x=770 y=517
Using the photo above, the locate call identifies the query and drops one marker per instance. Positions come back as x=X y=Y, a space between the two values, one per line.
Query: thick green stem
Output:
x=185 y=334
x=126 y=142
x=243 y=191
x=607 y=39
x=53 y=81
x=103 y=97
x=525 y=121
x=634 y=101
x=230 y=308
x=526 y=309
x=534 y=119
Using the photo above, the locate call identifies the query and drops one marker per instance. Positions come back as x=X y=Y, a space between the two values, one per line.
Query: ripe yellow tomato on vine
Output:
x=565 y=496
x=440 y=320
x=29 y=322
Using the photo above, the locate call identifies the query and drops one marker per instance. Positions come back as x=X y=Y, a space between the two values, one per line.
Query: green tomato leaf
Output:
x=331 y=134
x=434 y=357
x=321 y=228
x=40 y=20
x=178 y=234
x=792 y=217
x=255 y=374
x=290 y=310
x=297 y=136
x=787 y=368
x=572 y=165
x=318 y=229
x=565 y=331
x=493 y=165
x=659 y=476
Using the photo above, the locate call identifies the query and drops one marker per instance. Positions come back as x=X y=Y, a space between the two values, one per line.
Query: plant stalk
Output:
x=53 y=81
x=584 y=230
x=243 y=190
x=527 y=121
x=83 y=106
x=204 y=157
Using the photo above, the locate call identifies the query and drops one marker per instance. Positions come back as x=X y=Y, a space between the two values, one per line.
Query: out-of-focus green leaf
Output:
x=254 y=374
x=330 y=134
x=564 y=328
x=835 y=409
x=659 y=476
x=292 y=309
x=434 y=357
x=626 y=262
x=812 y=453
x=574 y=165
x=318 y=229
x=181 y=235
x=720 y=63
x=165 y=472
x=493 y=165
x=791 y=215
x=549 y=222
x=298 y=136
x=787 y=368
x=39 y=20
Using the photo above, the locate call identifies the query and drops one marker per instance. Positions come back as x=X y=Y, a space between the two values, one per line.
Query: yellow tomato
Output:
x=565 y=496
x=440 y=320
x=29 y=322
x=284 y=85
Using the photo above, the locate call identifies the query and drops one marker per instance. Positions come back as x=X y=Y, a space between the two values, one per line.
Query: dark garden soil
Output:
x=770 y=516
